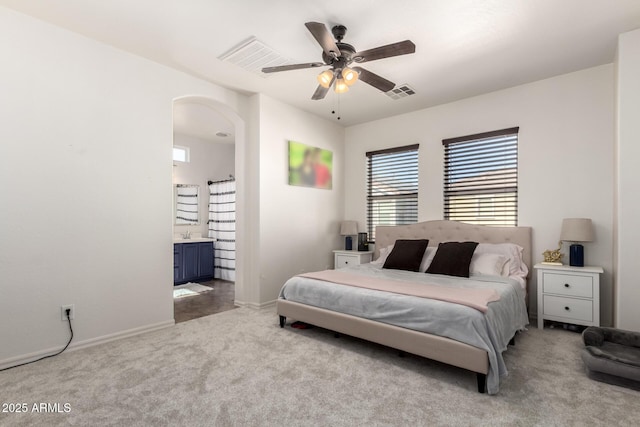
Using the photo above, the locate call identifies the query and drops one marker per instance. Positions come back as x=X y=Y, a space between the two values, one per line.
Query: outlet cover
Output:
x=63 y=312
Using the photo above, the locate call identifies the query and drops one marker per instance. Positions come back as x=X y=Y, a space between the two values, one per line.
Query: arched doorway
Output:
x=223 y=111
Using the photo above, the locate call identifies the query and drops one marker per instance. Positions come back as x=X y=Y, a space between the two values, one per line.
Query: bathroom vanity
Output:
x=192 y=260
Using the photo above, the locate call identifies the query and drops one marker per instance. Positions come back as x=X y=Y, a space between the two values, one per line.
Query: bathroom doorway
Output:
x=204 y=144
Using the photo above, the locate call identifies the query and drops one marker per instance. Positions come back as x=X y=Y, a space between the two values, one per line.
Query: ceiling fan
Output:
x=339 y=56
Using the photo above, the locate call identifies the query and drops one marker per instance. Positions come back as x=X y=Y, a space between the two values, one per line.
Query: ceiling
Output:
x=202 y=122
x=464 y=47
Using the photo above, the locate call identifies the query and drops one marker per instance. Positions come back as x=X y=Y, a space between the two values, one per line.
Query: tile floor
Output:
x=216 y=301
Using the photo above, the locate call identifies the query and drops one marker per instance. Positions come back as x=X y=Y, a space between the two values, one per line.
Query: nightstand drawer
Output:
x=569 y=308
x=569 y=285
x=343 y=261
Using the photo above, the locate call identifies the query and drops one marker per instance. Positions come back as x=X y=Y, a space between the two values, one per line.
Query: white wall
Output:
x=209 y=161
x=85 y=164
x=299 y=226
x=628 y=177
x=565 y=158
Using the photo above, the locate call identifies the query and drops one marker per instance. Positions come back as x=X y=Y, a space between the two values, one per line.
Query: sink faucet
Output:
x=186 y=235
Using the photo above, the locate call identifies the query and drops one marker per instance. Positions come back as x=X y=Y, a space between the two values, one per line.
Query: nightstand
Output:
x=569 y=294
x=350 y=258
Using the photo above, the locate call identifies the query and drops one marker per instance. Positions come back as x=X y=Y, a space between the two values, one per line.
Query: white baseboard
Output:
x=17 y=360
x=256 y=306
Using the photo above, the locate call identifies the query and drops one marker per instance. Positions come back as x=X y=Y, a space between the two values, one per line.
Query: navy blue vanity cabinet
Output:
x=192 y=262
x=205 y=258
x=177 y=263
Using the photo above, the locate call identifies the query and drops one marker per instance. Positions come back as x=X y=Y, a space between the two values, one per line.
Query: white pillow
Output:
x=384 y=253
x=429 y=253
x=506 y=268
x=513 y=253
x=488 y=264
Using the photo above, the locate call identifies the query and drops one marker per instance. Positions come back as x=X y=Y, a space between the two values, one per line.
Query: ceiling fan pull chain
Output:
x=337 y=97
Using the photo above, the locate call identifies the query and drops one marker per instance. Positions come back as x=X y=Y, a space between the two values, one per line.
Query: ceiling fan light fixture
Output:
x=325 y=78
x=349 y=75
x=340 y=86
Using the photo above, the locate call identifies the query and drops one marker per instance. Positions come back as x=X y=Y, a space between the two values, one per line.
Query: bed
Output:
x=461 y=335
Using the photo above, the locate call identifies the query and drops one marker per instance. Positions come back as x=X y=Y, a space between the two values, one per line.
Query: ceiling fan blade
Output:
x=292 y=67
x=394 y=49
x=324 y=38
x=320 y=92
x=374 y=80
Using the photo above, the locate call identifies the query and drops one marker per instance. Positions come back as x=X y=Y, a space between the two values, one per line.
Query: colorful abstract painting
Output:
x=310 y=166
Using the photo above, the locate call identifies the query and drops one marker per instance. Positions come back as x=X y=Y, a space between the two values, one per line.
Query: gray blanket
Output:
x=491 y=331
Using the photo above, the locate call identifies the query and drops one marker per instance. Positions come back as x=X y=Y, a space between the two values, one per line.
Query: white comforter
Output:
x=490 y=331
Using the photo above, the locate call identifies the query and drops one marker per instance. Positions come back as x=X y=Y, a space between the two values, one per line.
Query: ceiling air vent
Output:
x=401 y=91
x=253 y=55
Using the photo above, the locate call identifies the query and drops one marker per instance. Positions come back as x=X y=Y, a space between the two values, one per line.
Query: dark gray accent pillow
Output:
x=453 y=259
x=406 y=255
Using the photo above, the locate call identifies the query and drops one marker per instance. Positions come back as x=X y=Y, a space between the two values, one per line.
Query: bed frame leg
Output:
x=482 y=382
x=283 y=320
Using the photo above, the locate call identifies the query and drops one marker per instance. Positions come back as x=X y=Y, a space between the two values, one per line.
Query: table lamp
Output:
x=576 y=230
x=348 y=229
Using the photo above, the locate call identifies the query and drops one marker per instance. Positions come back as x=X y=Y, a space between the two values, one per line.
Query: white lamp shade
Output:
x=576 y=230
x=340 y=86
x=350 y=76
x=325 y=78
x=348 y=228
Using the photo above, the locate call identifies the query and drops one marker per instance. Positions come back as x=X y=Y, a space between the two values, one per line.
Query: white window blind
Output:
x=481 y=178
x=392 y=187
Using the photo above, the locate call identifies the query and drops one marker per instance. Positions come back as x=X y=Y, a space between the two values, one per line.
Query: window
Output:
x=481 y=178
x=180 y=154
x=392 y=187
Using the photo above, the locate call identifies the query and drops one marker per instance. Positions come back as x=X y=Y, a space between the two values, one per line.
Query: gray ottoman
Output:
x=612 y=356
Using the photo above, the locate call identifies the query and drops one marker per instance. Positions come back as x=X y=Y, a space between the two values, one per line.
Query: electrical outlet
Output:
x=63 y=311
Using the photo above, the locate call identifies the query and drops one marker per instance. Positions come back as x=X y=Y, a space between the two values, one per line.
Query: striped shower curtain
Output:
x=222 y=227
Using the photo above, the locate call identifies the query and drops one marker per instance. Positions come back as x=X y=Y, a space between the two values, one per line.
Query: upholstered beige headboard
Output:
x=445 y=231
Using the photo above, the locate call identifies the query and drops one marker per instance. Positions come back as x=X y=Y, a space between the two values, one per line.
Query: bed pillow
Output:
x=427 y=258
x=513 y=252
x=384 y=253
x=406 y=255
x=488 y=265
x=453 y=259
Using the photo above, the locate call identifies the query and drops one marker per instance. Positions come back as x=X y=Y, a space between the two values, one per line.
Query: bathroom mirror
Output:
x=186 y=204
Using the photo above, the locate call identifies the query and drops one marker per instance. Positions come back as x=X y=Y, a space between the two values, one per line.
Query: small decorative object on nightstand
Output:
x=350 y=258
x=363 y=242
x=569 y=294
x=348 y=229
x=553 y=257
x=576 y=230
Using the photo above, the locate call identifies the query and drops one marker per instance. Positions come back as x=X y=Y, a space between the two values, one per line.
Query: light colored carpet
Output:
x=238 y=368
x=189 y=289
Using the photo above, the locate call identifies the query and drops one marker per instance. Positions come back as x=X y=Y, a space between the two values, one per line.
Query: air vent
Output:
x=253 y=55
x=401 y=91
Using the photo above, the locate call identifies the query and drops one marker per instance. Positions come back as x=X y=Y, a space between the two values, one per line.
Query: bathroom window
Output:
x=180 y=154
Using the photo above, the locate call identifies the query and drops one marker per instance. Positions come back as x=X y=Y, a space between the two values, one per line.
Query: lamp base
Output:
x=348 y=243
x=576 y=255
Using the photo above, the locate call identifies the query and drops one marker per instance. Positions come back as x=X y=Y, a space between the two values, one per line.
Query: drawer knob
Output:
x=566 y=285
x=567 y=308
